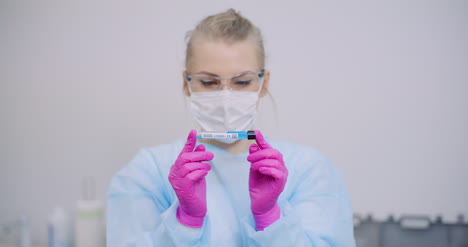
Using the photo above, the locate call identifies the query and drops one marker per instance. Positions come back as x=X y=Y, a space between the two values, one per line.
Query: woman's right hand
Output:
x=187 y=177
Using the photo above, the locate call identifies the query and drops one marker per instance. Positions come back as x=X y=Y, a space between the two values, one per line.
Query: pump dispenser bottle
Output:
x=89 y=218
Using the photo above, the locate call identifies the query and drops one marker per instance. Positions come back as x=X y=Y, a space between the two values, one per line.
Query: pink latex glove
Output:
x=267 y=179
x=187 y=177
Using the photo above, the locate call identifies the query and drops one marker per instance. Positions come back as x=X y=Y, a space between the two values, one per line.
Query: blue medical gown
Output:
x=315 y=209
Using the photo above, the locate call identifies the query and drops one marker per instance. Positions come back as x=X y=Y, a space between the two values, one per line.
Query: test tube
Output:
x=250 y=135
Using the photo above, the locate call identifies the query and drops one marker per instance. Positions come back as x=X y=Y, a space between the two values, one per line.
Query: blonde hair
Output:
x=228 y=27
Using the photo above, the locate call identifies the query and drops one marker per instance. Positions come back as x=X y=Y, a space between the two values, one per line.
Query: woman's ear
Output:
x=266 y=84
x=185 y=83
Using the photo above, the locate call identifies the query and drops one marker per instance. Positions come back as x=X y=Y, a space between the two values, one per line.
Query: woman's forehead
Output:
x=222 y=58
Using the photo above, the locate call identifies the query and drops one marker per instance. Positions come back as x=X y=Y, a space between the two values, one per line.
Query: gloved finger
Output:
x=196 y=175
x=194 y=157
x=191 y=141
x=266 y=163
x=190 y=167
x=272 y=172
x=200 y=148
x=253 y=148
x=270 y=153
x=262 y=143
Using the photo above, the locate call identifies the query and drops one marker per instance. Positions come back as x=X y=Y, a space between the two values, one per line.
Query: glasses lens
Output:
x=247 y=82
x=204 y=83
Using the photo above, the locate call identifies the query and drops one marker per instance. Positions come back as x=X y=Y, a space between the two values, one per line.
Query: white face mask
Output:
x=224 y=111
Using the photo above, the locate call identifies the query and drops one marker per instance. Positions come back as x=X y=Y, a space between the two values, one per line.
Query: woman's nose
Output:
x=226 y=84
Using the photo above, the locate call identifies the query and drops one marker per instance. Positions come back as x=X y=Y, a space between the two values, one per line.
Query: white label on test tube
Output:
x=219 y=135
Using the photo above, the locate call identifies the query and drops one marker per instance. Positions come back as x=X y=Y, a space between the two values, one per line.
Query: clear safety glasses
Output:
x=246 y=82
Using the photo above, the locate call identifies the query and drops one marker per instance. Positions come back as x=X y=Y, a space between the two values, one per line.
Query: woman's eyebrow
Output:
x=212 y=74
x=205 y=73
x=245 y=72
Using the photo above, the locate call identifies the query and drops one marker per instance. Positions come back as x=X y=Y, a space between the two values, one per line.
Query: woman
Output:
x=220 y=193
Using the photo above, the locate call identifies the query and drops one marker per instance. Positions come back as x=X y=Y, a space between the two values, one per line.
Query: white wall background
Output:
x=378 y=86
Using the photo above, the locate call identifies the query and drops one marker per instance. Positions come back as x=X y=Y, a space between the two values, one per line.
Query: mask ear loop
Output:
x=190 y=121
x=274 y=105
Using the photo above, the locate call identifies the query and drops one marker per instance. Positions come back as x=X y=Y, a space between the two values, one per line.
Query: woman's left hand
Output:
x=267 y=179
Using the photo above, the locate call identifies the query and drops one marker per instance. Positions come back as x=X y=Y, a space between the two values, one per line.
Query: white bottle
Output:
x=89 y=219
x=25 y=238
x=59 y=228
x=89 y=224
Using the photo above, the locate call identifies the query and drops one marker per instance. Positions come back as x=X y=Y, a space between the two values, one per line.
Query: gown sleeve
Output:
x=315 y=209
x=141 y=210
